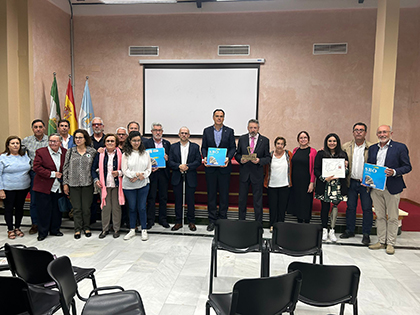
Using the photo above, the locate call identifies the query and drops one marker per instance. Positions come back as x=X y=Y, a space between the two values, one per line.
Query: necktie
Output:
x=252 y=144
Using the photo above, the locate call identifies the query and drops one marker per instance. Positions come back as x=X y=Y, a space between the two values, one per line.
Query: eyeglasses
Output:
x=359 y=130
x=95 y=125
x=157 y=130
x=110 y=141
x=121 y=134
x=53 y=141
x=183 y=133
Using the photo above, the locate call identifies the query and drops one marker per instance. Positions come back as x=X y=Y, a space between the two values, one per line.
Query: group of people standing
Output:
x=116 y=169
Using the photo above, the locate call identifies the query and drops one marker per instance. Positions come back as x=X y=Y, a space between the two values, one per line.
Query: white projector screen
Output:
x=187 y=95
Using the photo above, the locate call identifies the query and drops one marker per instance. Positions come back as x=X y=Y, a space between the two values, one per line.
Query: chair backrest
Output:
x=238 y=234
x=263 y=296
x=61 y=271
x=297 y=237
x=325 y=285
x=14 y=296
x=29 y=264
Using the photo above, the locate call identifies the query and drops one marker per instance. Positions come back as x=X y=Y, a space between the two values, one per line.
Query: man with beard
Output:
x=98 y=133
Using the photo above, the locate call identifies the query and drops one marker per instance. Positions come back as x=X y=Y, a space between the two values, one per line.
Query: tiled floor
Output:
x=171 y=271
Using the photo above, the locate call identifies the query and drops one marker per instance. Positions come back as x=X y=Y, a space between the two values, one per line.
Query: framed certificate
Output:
x=333 y=167
x=374 y=176
x=157 y=156
x=216 y=156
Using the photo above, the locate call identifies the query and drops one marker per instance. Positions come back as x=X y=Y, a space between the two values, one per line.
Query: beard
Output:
x=97 y=132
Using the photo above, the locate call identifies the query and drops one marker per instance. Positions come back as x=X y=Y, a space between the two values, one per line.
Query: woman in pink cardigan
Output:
x=303 y=178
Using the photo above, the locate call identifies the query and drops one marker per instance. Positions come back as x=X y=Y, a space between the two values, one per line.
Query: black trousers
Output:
x=15 y=199
x=257 y=190
x=278 y=199
x=189 y=199
x=159 y=182
x=49 y=216
x=216 y=181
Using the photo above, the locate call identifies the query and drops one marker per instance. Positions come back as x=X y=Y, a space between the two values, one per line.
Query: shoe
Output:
x=390 y=250
x=271 y=229
x=347 y=234
x=130 y=234
x=377 y=246
x=33 y=229
x=366 y=239
x=41 y=238
x=176 y=227
x=103 y=234
x=324 y=234
x=116 y=234
x=165 y=225
x=88 y=233
x=332 y=236
x=77 y=235
x=144 y=236
x=11 y=235
x=19 y=233
x=210 y=227
x=192 y=227
x=149 y=226
x=57 y=234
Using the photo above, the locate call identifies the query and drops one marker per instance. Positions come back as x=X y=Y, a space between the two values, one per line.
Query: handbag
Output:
x=64 y=204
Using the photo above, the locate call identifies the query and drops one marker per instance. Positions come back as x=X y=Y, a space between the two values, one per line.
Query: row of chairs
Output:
x=36 y=275
x=322 y=285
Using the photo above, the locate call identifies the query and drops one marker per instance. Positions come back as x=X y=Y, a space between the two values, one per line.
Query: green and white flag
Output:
x=55 y=115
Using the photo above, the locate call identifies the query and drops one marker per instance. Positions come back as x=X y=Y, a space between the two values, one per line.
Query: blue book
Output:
x=158 y=157
x=216 y=156
x=374 y=176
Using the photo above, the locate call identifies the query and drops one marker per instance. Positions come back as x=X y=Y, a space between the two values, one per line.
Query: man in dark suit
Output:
x=394 y=156
x=184 y=158
x=159 y=179
x=218 y=136
x=48 y=168
x=251 y=172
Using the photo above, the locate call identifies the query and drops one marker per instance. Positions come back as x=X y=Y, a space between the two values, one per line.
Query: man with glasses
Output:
x=357 y=151
x=394 y=156
x=98 y=133
x=159 y=179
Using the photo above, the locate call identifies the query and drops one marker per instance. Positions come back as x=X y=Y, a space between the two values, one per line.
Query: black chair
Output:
x=238 y=236
x=3 y=255
x=325 y=286
x=122 y=303
x=17 y=297
x=262 y=296
x=297 y=239
x=31 y=265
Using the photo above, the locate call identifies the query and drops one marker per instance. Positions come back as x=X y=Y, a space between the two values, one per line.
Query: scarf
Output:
x=102 y=178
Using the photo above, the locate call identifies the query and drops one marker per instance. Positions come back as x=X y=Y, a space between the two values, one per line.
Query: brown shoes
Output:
x=34 y=229
x=192 y=227
x=176 y=227
x=377 y=246
x=390 y=250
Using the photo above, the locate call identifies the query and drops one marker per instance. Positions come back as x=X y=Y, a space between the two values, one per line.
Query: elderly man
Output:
x=159 y=179
x=31 y=144
x=251 y=172
x=48 y=167
x=98 y=133
x=63 y=127
x=218 y=178
x=394 y=156
x=122 y=134
x=184 y=159
x=133 y=126
x=357 y=151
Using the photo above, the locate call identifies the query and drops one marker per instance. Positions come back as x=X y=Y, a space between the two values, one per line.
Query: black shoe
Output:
x=149 y=226
x=210 y=227
x=347 y=234
x=165 y=225
x=176 y=227
x=192 y=227
x=57 y=234
x=116 y=234
x=77 y=236
x=366 y=239
x=41 y=238
x=103 y=234
x=88 y=234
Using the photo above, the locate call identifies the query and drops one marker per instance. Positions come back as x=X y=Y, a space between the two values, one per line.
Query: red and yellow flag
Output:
x=70 y=110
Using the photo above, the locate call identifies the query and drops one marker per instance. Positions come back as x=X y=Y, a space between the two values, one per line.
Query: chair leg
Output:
x=314 y=260
x=207 y=308
x=320 y=259
x=342 y=308
x=355 y=308
x=211 y=271
x=265 y=263
x=215 y=262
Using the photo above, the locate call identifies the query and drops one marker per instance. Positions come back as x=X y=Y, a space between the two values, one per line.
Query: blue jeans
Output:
x=356 y=189
x=32 y=207
x=136 y=199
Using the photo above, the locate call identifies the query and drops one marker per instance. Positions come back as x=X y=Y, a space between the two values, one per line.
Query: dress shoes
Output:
x=176 y=227
x=165 y=225
x=390 y=250
x=347 y=234
x=103 y=234
x=33 y=229
x=366 y=239
x=77 y=236
x=88 y=233
x=116 y=234
x=57 y=234
x=210 y=227
x=41 y=238
x=377 y=246
x=149 y=226
x=192 y=227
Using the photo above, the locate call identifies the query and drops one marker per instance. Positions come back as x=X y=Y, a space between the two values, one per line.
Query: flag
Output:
x=55 y=115
x=70 y=110
x=86 y=111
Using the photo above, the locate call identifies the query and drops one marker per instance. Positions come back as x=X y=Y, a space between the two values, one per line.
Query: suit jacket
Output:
x=193 y=162
x=43 y=166
x=396 y=158
x=150 y=144
x=250 y=170
x=227 y=141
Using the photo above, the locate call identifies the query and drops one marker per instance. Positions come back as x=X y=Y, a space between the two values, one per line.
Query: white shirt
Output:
x=109 y=178
x=380 y=158
x=358 y=161
x=65 y=142
x=56 y=157
x=278 y=174
x=184 y=152
x=135 y=163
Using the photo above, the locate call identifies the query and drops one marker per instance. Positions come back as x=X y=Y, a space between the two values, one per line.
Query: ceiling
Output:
x=98 y=7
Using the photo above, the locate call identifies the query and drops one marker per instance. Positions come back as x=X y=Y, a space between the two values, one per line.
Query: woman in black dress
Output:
x=303 y=178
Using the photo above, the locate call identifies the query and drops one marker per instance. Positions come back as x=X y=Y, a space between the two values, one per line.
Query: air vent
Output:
x=233 y=50
x=143 y=51
x=330 y=49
